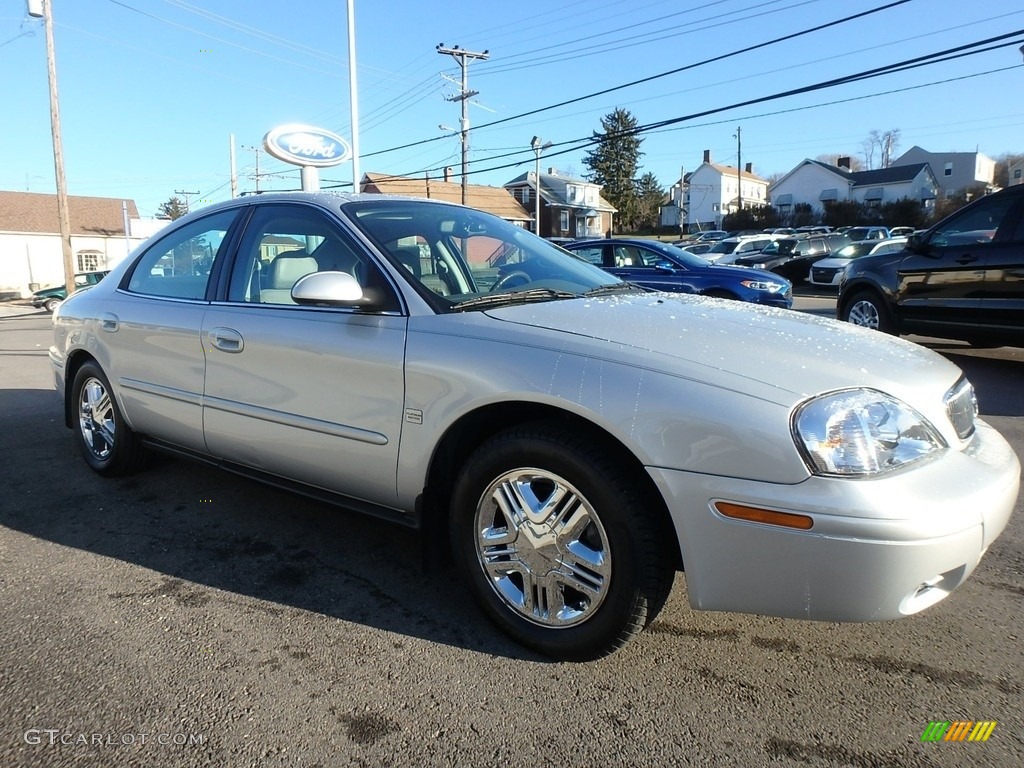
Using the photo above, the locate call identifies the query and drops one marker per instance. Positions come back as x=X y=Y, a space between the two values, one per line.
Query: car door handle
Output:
x=226 y=339
x=110 y=322
x=967 y=258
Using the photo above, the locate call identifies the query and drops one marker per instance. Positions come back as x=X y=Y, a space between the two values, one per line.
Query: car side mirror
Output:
x=664 y=265
x=917 y=244
x=329 y=289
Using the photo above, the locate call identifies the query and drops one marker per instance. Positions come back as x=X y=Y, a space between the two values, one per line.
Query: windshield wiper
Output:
x=623 y=287
x=514 y=297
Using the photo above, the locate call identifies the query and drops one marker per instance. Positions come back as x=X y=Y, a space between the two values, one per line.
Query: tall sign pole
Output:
x=37 y=9
x=353 y=97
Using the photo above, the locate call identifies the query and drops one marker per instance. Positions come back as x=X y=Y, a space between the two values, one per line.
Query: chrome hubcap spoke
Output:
x=97 y=418
x=864 y=314
x=542 y=548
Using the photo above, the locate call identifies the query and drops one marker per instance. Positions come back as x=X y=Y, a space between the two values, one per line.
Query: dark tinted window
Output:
x=977 y=224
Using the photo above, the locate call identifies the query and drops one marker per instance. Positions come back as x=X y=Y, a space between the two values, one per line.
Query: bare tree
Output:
x=883 y=145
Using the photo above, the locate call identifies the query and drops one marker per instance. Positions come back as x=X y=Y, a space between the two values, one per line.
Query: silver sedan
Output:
x=576 y=440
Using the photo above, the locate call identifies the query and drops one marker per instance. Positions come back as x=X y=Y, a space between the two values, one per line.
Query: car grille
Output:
x=823 y=274
x=962 y=407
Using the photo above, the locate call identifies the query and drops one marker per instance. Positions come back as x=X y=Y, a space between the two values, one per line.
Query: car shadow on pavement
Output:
x=214 y=536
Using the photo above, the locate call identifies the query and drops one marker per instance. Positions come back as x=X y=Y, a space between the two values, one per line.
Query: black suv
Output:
x=962 y=279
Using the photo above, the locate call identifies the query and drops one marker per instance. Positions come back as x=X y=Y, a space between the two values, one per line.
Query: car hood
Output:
x=742 y=272
x=777 y=354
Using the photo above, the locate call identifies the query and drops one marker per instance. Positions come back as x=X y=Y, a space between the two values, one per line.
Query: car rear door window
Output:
x=178 y=265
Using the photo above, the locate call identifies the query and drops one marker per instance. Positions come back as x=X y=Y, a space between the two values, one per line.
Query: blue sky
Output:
x=151 y=89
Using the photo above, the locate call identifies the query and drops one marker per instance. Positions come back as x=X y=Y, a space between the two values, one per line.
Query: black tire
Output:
x=868 y=310
x=108 y=445
x=607 y=564
x=51 y=305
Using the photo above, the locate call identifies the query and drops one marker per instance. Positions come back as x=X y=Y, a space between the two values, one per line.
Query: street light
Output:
x=538 y=147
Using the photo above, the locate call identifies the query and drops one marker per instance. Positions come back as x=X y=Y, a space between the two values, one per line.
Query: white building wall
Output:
x=806 y=184
x=706 y=196
x=31 y=261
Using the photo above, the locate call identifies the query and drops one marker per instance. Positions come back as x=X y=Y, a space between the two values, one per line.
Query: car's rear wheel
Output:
x=558 y=543
x=867 y=310
x=108 y=445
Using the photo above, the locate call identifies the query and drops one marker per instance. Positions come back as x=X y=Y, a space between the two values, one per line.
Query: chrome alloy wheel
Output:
x=542 y=548
x=96 y=418
x=864 y=313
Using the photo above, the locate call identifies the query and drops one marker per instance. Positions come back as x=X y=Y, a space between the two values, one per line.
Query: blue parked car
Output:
x=664 y=267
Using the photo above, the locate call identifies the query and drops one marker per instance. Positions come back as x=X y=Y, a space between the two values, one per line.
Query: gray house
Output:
x=954 y=171
x=568 y=207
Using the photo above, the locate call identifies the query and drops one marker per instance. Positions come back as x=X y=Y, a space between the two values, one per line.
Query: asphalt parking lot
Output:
x=187 y=617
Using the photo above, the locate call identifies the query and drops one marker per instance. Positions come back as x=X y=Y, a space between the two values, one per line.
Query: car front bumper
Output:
x=879 y=548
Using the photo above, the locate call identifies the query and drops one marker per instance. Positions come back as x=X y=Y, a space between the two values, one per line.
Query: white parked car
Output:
x=731 y=248
x=577 y=439
x=830 y=271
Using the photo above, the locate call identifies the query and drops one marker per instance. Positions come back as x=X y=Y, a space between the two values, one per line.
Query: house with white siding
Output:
x=818 y=184
x=714 y=190
x=103 y=231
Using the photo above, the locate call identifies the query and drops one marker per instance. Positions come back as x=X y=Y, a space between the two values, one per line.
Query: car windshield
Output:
x=725 y=246
x=854 y=250
x=678 y=255
x=779 y=247
x=463 y=258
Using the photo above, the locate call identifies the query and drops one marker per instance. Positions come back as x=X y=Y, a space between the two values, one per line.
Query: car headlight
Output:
x=763 y=285
x=860 y=432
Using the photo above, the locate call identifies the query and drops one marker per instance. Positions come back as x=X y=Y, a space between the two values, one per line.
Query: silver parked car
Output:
x=577 y=439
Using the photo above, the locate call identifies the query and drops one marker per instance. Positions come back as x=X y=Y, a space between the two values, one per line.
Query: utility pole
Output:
x=41 y=9
x=463 y=57
x=234 y=171
x=739 y=173
x=257 y=150
x=188 y=207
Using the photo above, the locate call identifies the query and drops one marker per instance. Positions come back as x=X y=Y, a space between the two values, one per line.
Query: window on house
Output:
x=564 y=221
x=88 y=261
x=948 y=170
x=1016 y=174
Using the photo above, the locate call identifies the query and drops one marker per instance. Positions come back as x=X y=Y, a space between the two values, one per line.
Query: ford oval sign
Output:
x=306 y=145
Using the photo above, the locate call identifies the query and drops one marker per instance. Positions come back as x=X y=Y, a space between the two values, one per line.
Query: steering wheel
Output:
x=512 y=279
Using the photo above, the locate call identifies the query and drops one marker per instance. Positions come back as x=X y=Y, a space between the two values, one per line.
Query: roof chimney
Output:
x=749 y=168
x=843 y=162
x=552 y=171
x=707 y=155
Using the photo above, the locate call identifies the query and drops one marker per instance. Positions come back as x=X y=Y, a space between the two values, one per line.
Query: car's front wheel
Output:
x=51 y=305
x=559 y=545
x=108 y=445
x=867 y=310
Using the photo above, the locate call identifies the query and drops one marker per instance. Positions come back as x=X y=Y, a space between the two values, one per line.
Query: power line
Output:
x=574 y=145
x=676 y=71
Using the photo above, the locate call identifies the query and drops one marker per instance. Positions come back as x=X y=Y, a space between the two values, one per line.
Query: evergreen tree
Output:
x=173 y=209
x=650 y=195
x=613 y=164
